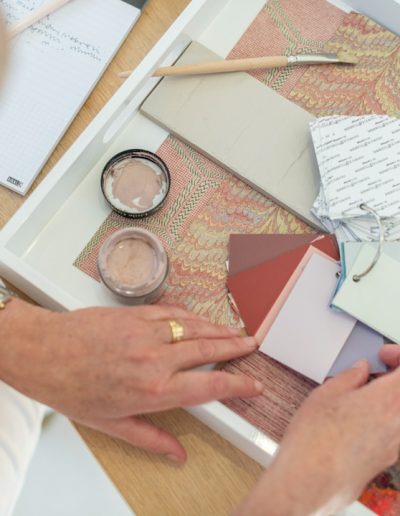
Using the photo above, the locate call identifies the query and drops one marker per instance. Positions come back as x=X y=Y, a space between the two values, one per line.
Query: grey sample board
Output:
x=246 y=127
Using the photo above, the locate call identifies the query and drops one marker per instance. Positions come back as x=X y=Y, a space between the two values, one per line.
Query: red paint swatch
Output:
x=255 y=290
x=248 y=250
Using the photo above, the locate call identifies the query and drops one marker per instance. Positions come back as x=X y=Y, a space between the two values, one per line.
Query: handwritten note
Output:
x=53 y=67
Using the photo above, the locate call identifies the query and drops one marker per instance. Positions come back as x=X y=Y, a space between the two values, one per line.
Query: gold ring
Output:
x=177 y=332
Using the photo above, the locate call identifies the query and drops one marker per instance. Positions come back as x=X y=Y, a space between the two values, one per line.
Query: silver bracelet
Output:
x=5 y=295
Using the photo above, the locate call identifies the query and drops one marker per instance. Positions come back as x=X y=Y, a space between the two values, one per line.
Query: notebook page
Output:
x=53 y=67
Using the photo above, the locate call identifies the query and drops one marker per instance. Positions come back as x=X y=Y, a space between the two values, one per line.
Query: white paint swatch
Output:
x=308 y=335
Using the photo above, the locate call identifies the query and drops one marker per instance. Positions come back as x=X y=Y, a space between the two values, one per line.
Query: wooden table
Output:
x=216 y=475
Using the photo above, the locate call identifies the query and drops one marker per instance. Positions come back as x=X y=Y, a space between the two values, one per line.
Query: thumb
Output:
x=347 y=380
x=141 y=434
x=390 y=355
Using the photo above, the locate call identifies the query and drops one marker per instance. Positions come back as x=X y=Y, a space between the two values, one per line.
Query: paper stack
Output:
x=359 y=162
x=373 y=299
x=53 y=67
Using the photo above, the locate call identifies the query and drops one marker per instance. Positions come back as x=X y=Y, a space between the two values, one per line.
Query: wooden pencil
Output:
x=35 y=16
x=250 y=63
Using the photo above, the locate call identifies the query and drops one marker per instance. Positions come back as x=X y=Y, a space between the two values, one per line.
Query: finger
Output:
x=193 y=388
x=384 y=390
x=192 y=329
x=390 y=355
x=165 y=312
x=348 y=380
x=196 y=325
x=189 y=354
x=144 y=435
x=195 y=329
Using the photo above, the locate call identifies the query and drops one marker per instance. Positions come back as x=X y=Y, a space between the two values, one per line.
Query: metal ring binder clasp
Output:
x=358 y=277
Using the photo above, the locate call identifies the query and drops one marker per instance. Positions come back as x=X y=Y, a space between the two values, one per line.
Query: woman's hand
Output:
x=103 y=366
x=344 y=434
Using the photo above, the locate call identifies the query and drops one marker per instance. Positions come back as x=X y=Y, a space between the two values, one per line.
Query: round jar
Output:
x=133 y=265
x=135 y=183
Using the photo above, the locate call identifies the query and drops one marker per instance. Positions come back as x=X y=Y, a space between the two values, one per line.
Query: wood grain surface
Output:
x=216 y=475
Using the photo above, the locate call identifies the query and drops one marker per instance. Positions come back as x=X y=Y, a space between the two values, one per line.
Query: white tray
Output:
x=40 y=243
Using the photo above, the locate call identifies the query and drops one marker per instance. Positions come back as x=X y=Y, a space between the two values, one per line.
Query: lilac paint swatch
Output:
x=362 y=343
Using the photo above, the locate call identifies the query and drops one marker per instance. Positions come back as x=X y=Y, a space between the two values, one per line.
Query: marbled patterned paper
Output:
x=206 y=203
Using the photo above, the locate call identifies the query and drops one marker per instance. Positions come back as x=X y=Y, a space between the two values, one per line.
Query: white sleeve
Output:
x=20 y=425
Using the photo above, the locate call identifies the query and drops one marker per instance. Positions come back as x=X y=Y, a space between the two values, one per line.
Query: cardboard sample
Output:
x=244 y=126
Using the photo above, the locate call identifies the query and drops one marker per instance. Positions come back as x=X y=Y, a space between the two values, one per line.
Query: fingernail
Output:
x=238 y=331
x=259 y=386
x=243 y=332
x=250 y=342
x=235 y=331
x=173 y=458
x=359 y=363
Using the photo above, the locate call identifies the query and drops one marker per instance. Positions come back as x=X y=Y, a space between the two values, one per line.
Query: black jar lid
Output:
x=135 y=183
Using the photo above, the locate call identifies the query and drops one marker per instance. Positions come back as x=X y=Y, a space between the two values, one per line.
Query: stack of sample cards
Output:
x=370 y=284
x=358 y=159
x=282 y=286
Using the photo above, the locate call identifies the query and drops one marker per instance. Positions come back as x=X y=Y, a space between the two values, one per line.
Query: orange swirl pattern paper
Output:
x=206 y=203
